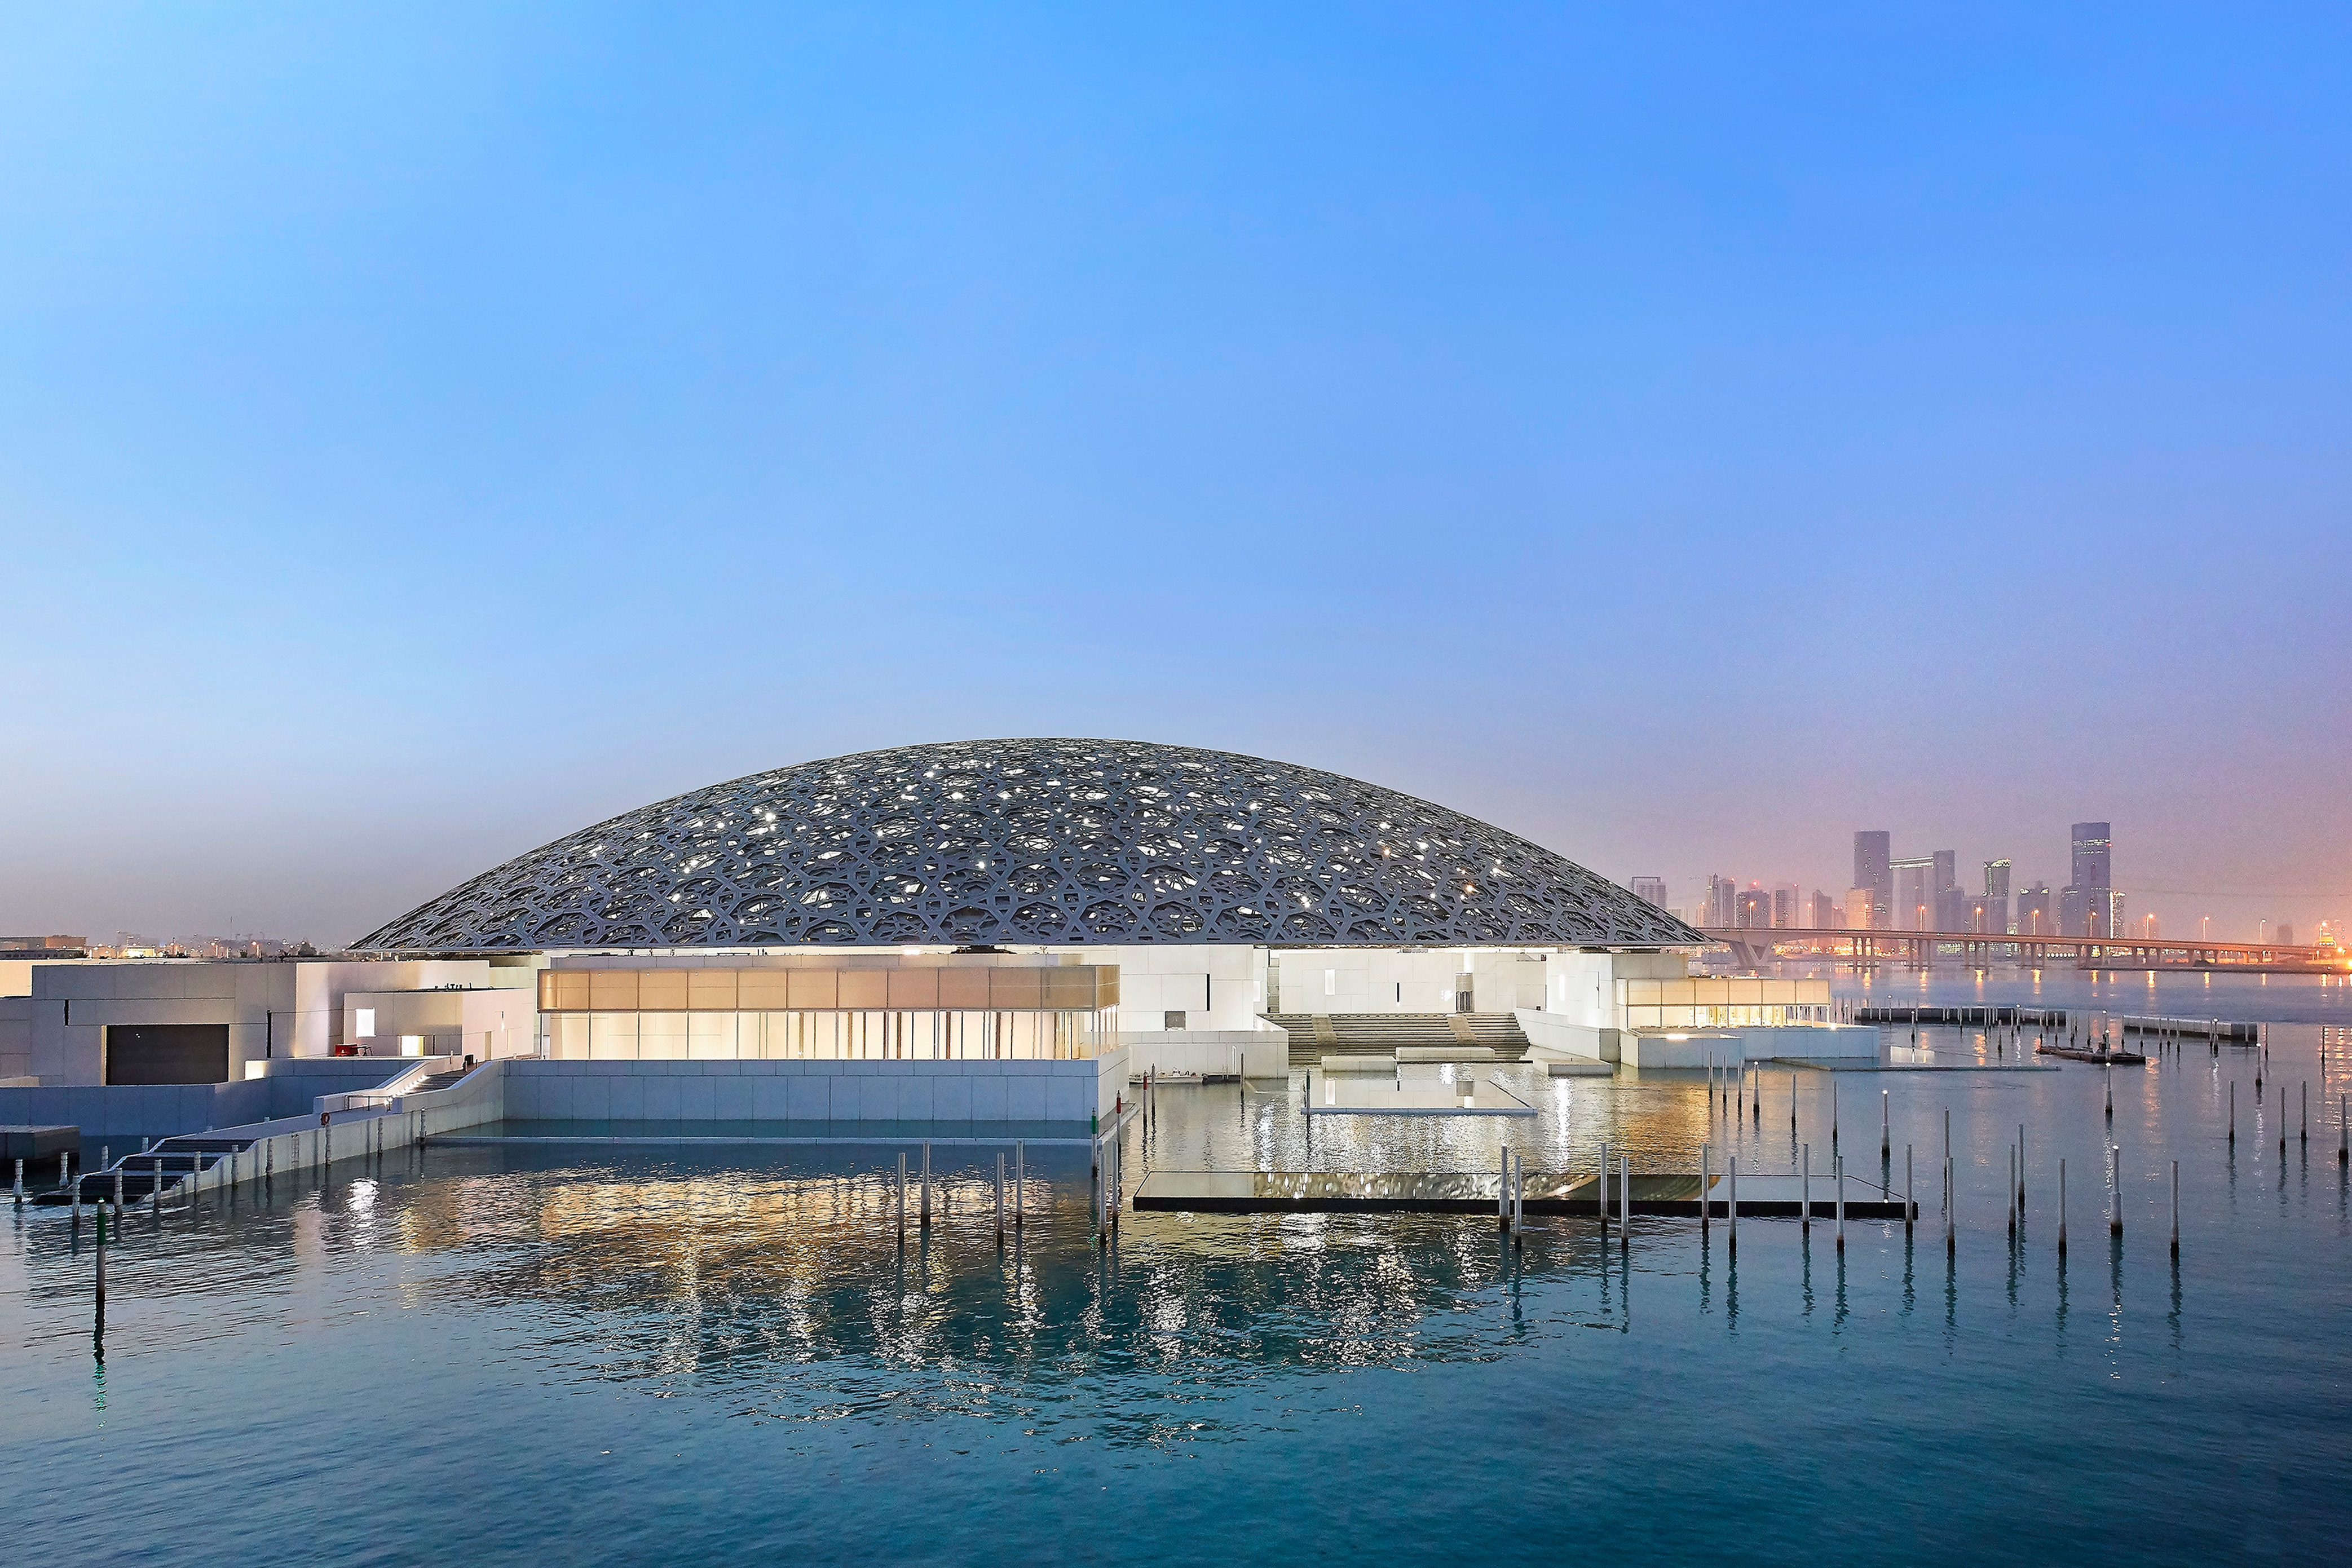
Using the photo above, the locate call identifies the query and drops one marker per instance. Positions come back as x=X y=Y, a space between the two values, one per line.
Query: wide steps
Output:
x=170 y=1162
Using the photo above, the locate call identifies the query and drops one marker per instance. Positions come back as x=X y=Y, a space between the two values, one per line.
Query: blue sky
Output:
x=1683 y=434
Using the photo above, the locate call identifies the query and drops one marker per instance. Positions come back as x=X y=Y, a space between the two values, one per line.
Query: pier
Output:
x=1543 y=1192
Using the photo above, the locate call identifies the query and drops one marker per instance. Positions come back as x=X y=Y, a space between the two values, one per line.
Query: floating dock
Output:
x=1439 y=1192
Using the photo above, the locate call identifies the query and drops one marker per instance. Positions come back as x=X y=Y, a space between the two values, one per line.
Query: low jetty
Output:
x=2196 y=1028
x=2040 y=1018
x=2102 y=1058
x=1442 y=1191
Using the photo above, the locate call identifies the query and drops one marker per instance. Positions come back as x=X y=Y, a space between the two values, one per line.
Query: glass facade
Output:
x=898 y=1012
x=1722 y=1003
x=828 y=1036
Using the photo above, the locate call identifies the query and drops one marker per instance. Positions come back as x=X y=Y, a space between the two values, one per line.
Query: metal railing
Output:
x=382 y=1096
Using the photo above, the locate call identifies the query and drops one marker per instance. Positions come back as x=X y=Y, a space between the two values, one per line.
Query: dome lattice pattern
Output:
x=1035 y=841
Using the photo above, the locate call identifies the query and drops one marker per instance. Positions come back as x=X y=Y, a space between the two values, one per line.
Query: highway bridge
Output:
x=1753 y=946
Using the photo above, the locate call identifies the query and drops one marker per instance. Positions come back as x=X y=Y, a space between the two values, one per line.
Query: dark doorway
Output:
x=167 y=1053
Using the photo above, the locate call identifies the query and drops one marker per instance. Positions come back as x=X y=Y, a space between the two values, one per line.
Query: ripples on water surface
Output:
x=537 y=1356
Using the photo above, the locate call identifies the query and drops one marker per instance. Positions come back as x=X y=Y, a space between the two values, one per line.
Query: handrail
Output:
x=390 y=1089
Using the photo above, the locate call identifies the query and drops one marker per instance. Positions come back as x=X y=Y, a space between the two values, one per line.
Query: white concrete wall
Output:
x=480 y=1023
x=1809 y=1041
x=1369 y=979
x=1216 y=987
x=16 y=1037
x=1553 y=1035
x=1502 y=981
x=1582 y=987
x=1712 y=1050
x=317 y=1013
x=129 y=1111
x=1263 y=1052
x=273 y=1009
x=832 y=1091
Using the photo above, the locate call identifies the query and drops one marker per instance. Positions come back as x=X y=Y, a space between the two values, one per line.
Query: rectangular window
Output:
x=412 y=1045
x=363 y=1024
x=1171 y=1021
x=1330 y=982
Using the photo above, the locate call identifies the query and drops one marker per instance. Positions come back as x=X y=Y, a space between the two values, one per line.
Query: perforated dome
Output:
x=1097 y=841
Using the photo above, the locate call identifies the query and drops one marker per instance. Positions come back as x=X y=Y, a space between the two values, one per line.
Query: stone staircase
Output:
x=1314 y=1036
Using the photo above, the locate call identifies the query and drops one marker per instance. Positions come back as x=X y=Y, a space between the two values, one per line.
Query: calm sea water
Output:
x=599 y=1355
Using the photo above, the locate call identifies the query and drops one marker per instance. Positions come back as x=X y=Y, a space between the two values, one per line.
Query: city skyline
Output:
x=2006 y=899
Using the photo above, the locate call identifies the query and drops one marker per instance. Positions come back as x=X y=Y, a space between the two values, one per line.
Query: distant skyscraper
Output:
x=1857 y=908
x=2084 y=906
x=1721 y=891
x=1752 y=907
x=2074 y=913
x=1873 y=862
x=1823 y=913
x=1788 y=905
x=1996 y=896
x=1950 y=911
x=2286 y=936
x=1915 y=892
x=2034 y=917
x=2093 y=850
x=1651 y=889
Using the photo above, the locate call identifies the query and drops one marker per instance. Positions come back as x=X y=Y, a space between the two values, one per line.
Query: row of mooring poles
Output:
x=1019 y=1182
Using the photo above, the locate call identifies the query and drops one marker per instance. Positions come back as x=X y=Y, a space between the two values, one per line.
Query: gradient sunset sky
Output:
x=1682 y=435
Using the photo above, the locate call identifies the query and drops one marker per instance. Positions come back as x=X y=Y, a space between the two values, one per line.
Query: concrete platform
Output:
x=1445 y=1053
x=23 y=1142
x=1579 y=1070
x=1422 y=1093
x=1903 y=1058
x=1360 y=1192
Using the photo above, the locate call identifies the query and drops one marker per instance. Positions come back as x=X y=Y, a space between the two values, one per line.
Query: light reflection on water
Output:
x=524 y=1354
